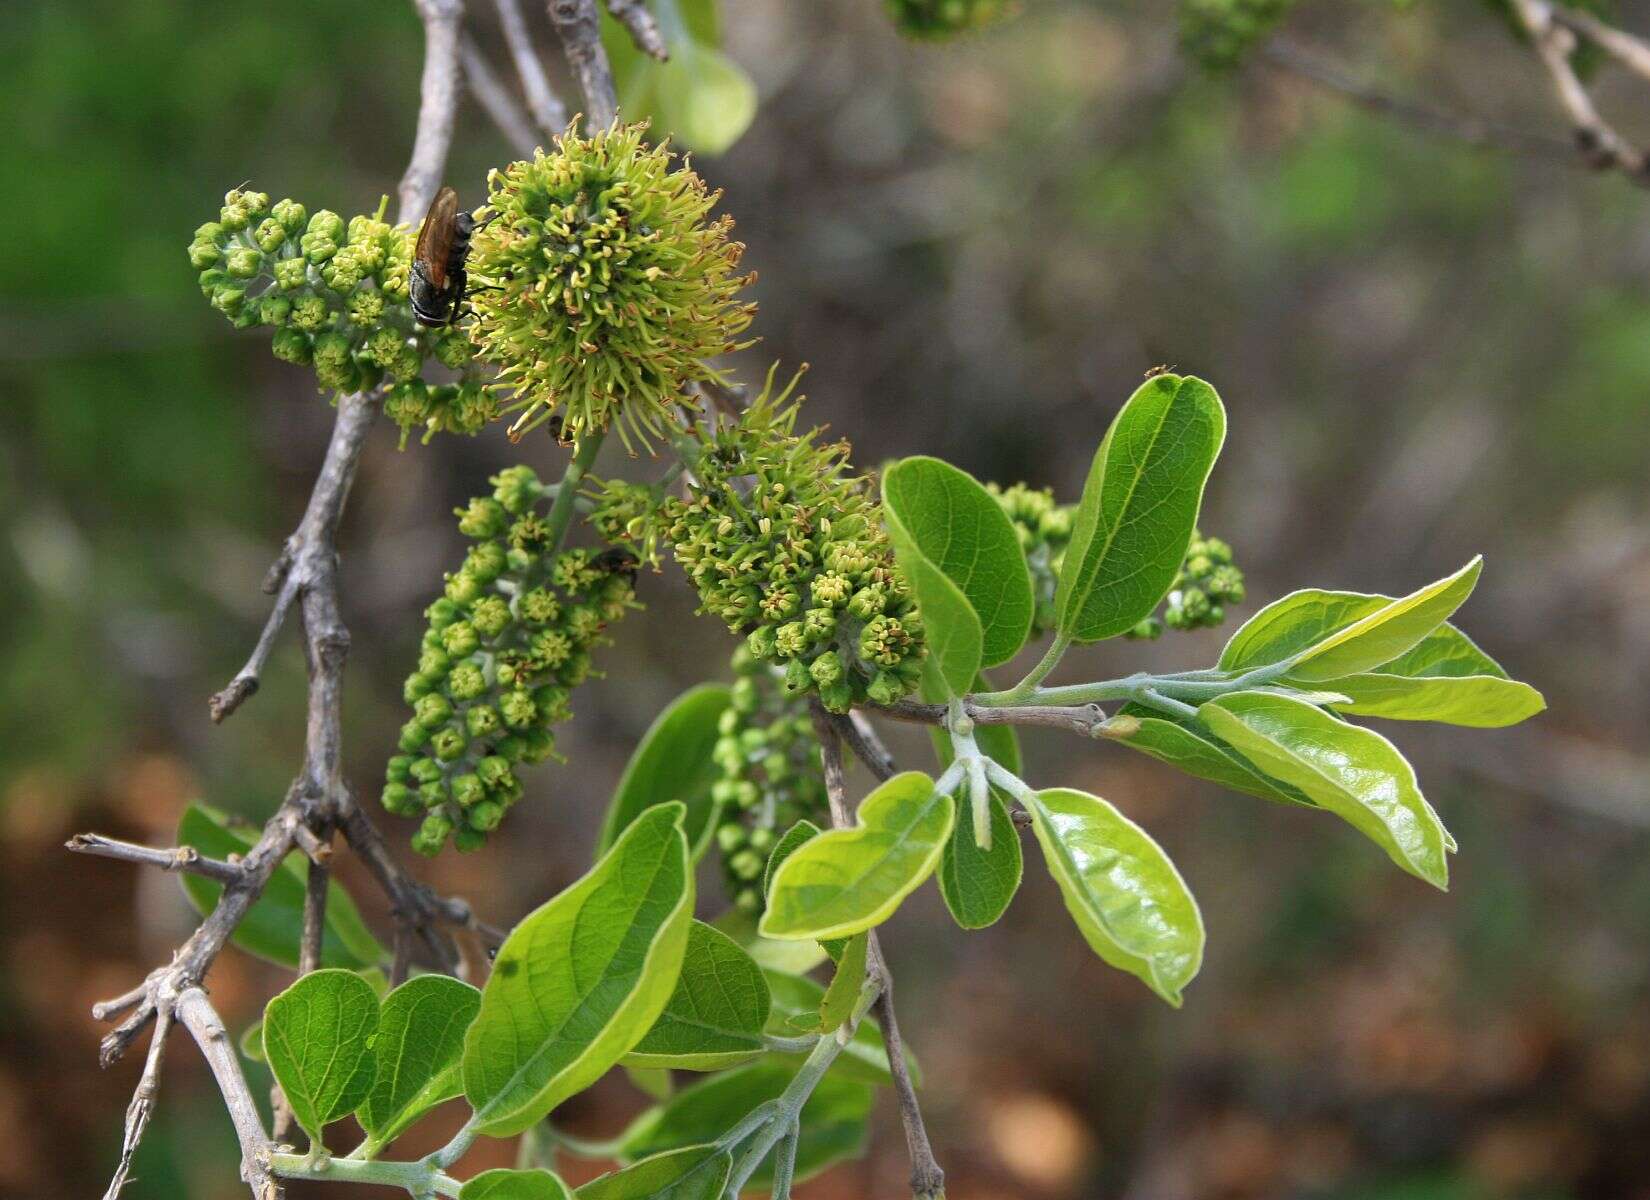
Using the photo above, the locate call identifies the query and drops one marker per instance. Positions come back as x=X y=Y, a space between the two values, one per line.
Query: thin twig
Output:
x=495 y=98
x=1601 y=146
x=1631 y=51
x=437 y=106
x=1086 y=720
x=579 y=25
x=142 y=1106
x=184 y=859
x=198 y=1016
x=639 y=23
x=549 y=112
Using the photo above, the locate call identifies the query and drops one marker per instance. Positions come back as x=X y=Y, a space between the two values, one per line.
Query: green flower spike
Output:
x=1044 y=528
x=606 y=285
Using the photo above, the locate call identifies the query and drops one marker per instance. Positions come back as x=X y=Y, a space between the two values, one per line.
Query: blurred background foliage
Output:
x=979 y=247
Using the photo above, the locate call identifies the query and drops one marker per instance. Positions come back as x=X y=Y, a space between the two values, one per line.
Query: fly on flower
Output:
x=438 y=278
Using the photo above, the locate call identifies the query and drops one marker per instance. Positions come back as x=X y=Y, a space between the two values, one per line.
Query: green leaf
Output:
x=504 y=1184
x=1130 y=903
x=951 y=628
x=842 y=996
x=691 y=1173
x=702 y=98
x=771 y=954
x=1353 y=772
x=847 y=880
x=418 y=1047
x=1444 y=678
x=274 y=926
x=796 y=1003
x=1198 y=752
x=672 y=762
x=956 y=524
x=251 y=1041
x=715 y=1016
x=979 y=884
x=318 y=1043
x=656 y=1083
x=1327 y=635
x=788 y=844
x=834 y=1119
x=579 y=982
x=1139 y=507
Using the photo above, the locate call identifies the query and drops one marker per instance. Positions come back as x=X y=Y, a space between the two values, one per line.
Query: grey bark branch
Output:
x=1085 y=720
x=639 y=23
x=495 y=98
x=927 y=1179
x=183 y=859
x=1601 y=146
x=547 y=111
x=198 y=1016
x=437 y=106
x=579 y=25
x=1631 y=51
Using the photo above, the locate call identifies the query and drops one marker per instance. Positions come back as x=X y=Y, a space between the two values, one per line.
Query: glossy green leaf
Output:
x=979 y=884
x=1353 y=772
x=318 y=1043
x=1444 y=678
x=714 y=1018
x=788 y=844
x=1196 y=751
x=1139 y=507
x=1327 y=635
x=842 y=997
x=795 y=1010
x=847 y=880
x=273 y=927
x=951 y=627
x=579 y=982
x=418 y=1047
x=793 y=957
x=504 y=1184
x=957 y=525
x=691 y=1173
x=672 y=762
x=834 y=1119
x=1130 y=903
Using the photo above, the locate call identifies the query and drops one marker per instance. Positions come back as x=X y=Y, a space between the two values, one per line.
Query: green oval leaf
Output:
x=1198 y=752
x=978 y=885
x=579 y=982
x=672 y=762
x=771 y=954
x=1444 y=678
x=1353 y=772
x=702 y=97
x=418 y=1048
x=318 y=1043
x=842 y=997
x=505 y=1184
x=796 y=1004
x=957 y=525
x=951 y=628
x=714 y=1018
x=1130 y=903
x=274 y=926
x=1139 y=507
x=847 y=880
x=691 y=1173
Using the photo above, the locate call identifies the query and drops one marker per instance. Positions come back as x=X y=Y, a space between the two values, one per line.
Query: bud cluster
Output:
x=334 y=292
x=1217 y=33
x=784 y=544
x=507 y=643
x=945 y=18
x=1043 y=528
x=771 y=775
x=609 y=284
x=1208 y=581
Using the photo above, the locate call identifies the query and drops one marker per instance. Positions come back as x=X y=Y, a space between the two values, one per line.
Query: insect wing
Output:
x=435 y=239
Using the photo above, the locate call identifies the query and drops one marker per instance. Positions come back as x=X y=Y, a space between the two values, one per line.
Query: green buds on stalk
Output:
x=607 y=284
x=945 y=18
x=1043 y=528
x=507 y=643
x=335 y=294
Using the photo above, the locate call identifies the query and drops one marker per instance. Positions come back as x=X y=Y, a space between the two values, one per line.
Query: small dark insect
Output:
x=437 y=281
x=618 y=561
x=1159 y=369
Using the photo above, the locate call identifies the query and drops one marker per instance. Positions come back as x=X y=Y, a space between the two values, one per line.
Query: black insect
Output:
x=437 y=282
x=618 y=561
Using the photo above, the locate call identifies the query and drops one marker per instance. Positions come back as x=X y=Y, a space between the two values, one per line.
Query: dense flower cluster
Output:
x=943 y=18
x=784 y=544
x=607 y=284
x=1217 y=33
x=1208 y=581
x=334 y=292
x=506 y=645
x=1044 y=528
x=771 y=775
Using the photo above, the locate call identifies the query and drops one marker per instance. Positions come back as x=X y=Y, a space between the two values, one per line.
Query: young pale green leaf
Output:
x=317 y=1042
x=505 y=1184
x=1198 y=752
x=788 y=844
x=672 y=762
x=579 y=982
x=656 y=1083
x=1139 y=507
x=714 y=1018
x=418 y=1047
x=1328 y=635
x=957 y=526
x=847 y=880
x=842 y=997
x=951 y=627
x=771 y=954
x=796 y=1004
x=273 y=927
x=1353 y=772
x=834 y=1119
x=1130 y=903
x=691 y=1173
x=251 y=1042
x=979 y=884
x=1444 y=678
